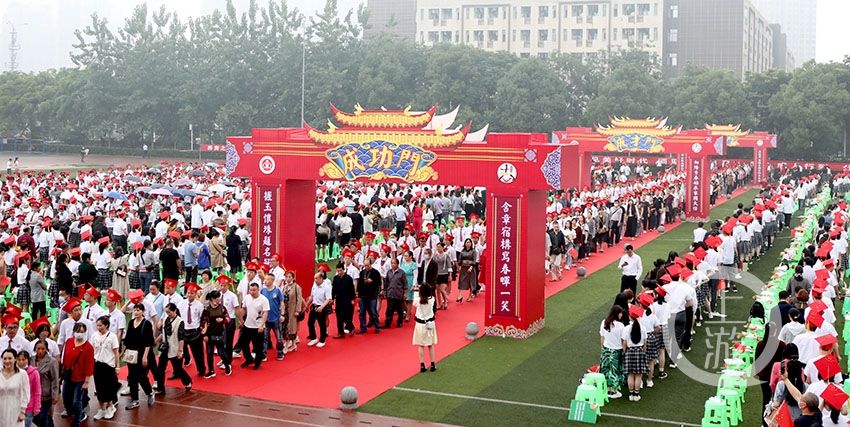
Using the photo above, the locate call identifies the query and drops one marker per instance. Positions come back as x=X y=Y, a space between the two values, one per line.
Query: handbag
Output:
x=130 y=357
x=66 y=374
x=163 y=347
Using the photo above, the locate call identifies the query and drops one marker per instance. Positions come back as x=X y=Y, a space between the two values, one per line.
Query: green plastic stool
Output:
x=733 y=406
x=750 y=340
x=734 y=383
x=715 y=413
x=587 y=393
x=847 y=386
x=597 y=380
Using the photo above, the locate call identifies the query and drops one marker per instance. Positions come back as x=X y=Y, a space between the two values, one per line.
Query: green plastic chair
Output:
x=597 y=380
x=715 y=414
x=733 y=406
x=734 y=383
x=587 y=393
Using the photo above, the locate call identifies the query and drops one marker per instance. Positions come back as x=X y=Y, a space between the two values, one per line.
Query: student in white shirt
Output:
x=611 y=340
x=106 y=368
x=634 y=344
x=256 y=307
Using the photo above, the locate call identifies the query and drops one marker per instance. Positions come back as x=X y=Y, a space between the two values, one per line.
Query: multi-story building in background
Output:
x=539 y=28
x=798 y=19
x=395 y=17
x=725 y=34
x=783 y=58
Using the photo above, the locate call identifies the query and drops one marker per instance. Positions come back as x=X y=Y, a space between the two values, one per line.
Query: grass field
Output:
x=503 y=382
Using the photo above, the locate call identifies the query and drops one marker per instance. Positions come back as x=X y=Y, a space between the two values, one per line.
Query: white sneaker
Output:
x=99 y=414
x=637 y=398
x=312 y=342
x=711 y=315
x=631 y=397
x=650 y=384
x=720 y=315
x=110 y=412
x=673 y=365
x=679 y=357
x=615 y=395
x=320 y=345
x=220 y=365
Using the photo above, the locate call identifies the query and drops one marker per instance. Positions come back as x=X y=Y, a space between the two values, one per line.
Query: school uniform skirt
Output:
x=744 y=247
x=133 y=277
x=653 y=343
x=758 y=239
x=665 y=337
x=23 y=297
x=635 y=361
x=74 y=239
x=702 y=292
x=104 y=278
x=43 y=254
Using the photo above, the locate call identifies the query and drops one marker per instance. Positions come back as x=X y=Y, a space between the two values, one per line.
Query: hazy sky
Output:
x=46 y=27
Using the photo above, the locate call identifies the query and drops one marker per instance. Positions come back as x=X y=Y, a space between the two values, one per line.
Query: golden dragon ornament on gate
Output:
x=637 y=135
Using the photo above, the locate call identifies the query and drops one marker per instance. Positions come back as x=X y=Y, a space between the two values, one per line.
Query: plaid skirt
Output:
x=243 y=250
x=758 y=240
x=74 y=240
x=635 y=361
x=653 y=343
x=43 y=254
x=769 y=228
x=611 y=365
x=745 y=247
x=53 y=295
x=665 y=337
x=133 y=277
x=702 y=293
x=104 y=278
x=23 y=297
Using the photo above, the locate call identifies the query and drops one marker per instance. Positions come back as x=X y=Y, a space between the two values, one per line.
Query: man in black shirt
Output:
x=170 y=261
x=87 y=272
x=368 y=286
x=356 y=226
x=343 y=294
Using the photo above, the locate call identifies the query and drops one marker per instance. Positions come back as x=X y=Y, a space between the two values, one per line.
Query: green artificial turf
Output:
x=545 y=369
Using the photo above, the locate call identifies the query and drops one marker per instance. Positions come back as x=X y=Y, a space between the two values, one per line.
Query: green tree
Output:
x=630 y=90
x=701 y=96
x=530 y=98
x=760 y=88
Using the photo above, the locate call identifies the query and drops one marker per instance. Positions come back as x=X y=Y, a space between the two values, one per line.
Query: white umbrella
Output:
x=220 y=188
x=161 y=192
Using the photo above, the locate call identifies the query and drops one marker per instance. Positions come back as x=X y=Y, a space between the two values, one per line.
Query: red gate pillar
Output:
x=571 y=177
x=681 y=162
x=585 y=166
x=698 y=188
x=298 y=250
x=760 y=161
x=515 y=262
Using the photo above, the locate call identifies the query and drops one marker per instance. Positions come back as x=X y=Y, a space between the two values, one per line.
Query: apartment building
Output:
x=394 y=17
x=537 y=28
x=798 y=19
x=724 y=34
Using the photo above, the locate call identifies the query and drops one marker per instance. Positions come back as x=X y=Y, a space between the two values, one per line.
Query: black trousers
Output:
x=344 y=317
x=39 y=309
x=197 y=348
x=628 y=282
x=712 y=285
x=229 y=333
x=217 y=343
x=120 y=242
x=322 y=318
x=689 y=325
x=105 y=382
x=191 y=274
x=251 y=338
x=679 y=332
x=137 y=375
x=615 y=233
x=176 y=368
x=394 y=305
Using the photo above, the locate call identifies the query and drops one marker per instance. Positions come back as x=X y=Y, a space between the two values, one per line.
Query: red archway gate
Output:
x=401 y=146
x=693 y=150
x=760 y=142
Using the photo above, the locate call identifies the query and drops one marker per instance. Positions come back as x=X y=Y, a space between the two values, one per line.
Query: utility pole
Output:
x=14 y=47
x=303 y=69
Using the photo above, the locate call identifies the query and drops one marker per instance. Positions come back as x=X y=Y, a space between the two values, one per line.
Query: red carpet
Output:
x=372 y=363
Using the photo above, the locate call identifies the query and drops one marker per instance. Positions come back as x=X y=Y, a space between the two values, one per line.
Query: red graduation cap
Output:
x=174 y=234
x=36 y=324
x=76 y=252
x=136 y=223
x=475 y=234
x=11 y=319
x=103 y=240
x=192 y=287
x=826 y=341
x=833 y=396
x=93 y=292
x=347 y=253
x=674 y=270
x=818 y=306
x=635 y=312
x=9 y=241
x=5 y=281
x=815 y=319
x=164 y=215
x=449 y=238
x=252 y=266
x=12 y=309
x=224 y=279
x=686 y=274
x=324 y=267
x=369 y=235
x=85 y=235
x=71 y=304
x=373 y=254
x=646 y=299
x=137 y=245
x=665 y=279
x=385 y=248
x=680 y=261
x=136 y=295
x=169 y=283
x=828 y=366
x=829 y=263
x=265 y=267
x=242 y=221
x=113 y=295
x=822 y=274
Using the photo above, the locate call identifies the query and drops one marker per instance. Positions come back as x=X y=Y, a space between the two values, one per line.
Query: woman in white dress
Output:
x=425 y=331
x=14 y=391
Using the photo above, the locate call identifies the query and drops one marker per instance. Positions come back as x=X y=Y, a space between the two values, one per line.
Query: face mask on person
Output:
x=61 y=300
x=79 y=336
